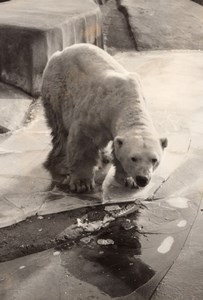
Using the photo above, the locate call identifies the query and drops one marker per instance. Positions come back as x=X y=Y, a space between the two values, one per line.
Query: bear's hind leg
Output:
x=56 y=165
x=56 y=162
x=82 y=156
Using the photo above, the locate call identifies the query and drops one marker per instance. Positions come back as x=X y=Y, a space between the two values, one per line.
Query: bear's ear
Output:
x=118 y=141
x=164 y=142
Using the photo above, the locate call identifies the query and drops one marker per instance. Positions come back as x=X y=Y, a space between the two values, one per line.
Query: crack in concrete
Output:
x=115 y=28
x=12 y=204
x=189 y=145
x=125 y=13
x=157 y=189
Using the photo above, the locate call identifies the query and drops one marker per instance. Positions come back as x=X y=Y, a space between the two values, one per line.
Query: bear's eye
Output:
x=154 y=161
x=134 y=159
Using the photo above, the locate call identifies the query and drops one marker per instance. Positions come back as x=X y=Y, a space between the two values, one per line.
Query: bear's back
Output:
x=88 y=59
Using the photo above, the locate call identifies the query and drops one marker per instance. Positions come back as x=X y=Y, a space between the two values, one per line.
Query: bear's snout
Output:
x=142 y=181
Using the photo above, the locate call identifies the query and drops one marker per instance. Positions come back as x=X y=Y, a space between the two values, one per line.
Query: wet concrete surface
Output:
x=121 y=260
x=184 y=279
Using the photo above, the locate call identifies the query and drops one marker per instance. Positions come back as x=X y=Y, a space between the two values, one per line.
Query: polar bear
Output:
x=89 y=100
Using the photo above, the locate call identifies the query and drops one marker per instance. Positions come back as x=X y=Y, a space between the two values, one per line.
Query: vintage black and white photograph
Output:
x=101 y=150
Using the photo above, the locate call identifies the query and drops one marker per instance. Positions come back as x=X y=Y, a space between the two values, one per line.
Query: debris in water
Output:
x=86 y=240
x=70 y=233
x=127 y=225
x=128 y=209
x=96 y=225
x=105 y=242
x=56 y=253
x=112 y=208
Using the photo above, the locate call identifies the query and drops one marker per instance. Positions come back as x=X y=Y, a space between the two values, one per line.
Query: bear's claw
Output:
x=82 y=186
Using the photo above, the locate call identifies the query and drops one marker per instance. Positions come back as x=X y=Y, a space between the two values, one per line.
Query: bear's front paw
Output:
x=81 y=185
x=123 y=179
x=129 y=182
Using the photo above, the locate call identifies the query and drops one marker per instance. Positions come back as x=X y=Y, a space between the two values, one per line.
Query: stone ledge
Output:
x=30 y=32
x=160 y=25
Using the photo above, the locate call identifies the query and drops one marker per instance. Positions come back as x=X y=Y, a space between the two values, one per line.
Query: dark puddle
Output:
x=117 y=273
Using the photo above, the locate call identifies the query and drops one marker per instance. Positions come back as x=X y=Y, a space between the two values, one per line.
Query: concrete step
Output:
x=30 y=32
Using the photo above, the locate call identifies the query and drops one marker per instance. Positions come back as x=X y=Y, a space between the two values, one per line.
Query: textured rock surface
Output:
x=165 y=24
x=115 y=28
x=30 y=32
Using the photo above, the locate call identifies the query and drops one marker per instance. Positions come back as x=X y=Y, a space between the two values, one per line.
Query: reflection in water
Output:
x=116 y=269
x=166 y=245
x=114 y=272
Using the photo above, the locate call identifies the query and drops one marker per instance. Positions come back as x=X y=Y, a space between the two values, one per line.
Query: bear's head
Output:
x=139 y=156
